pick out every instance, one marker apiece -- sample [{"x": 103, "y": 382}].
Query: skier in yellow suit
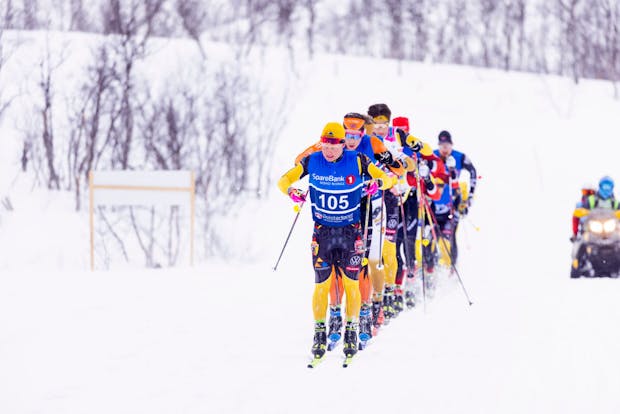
[{"x": 336, "y": 179}]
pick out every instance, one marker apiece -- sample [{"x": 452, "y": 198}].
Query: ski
[
  {"x": 347, "y": 360},
  {"x": 316, "y": 361}
]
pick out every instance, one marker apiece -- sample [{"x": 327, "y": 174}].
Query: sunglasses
[
  {"x": 331, "y": 140},
  {"x": 353, "y": 134}
]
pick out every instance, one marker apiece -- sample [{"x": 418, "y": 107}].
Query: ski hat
[
  {"x": 401, "y": 122},
  {"x": 333, "y": 133},
  {"x": 445, "y": 137},
  {"x": 380, "y": 112},
  {"x": 606, "y": 187}
]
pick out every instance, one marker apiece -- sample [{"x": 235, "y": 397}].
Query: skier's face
[
  {"x": 331, "y": 152},
  {"x": 381, "y": 128},
  {"x": 445, "y": 149},
  {"x": 352, "y": 139}
]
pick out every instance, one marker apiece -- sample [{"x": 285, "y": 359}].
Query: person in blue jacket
[{"x": 450, "y": 207}]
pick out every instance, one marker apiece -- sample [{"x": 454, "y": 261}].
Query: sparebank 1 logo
[{"x": 350, "y": 179}]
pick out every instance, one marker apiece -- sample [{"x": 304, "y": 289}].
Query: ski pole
[
  {"x": 471, "y": 223},
  {"x": 442, "y": 239},
  {"x": 298, "y": 210},
  {"x": 367, "y": 217},
  {"x": 419, "y": 257},
  {"x": 380, "y": 264},
  {"x": 406, "y": 238}
]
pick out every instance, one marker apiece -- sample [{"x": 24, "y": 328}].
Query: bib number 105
[{"x": 333, "y": 202}]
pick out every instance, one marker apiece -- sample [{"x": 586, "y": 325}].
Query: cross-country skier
[
  {"x": 371, "y": 146},
  {"x": 375, "y": 149},
  {"x": 406, "y": 193},
  {"x": 336, "y": 181},
  {"x": 451, "y": 206},
  {"x": 383, "y": 271}
]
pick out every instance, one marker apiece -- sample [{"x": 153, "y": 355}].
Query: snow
[{"x": 234, "y": 337}]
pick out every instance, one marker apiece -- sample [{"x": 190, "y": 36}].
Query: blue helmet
[{"x": 606, "y": 187}]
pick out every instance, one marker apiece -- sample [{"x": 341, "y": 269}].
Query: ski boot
[
  {"x": 388, "y": 303},
  {"x": 377, "y": 316},
  {"x": 350, "y": 339},
  {"x": 409, "y": 299},
  {"x": 335, "y": 326},
  {"x": 320, "y": 340},
  {"x": 365, "y": 325},
  {"x": 431, "y": 284},
  {"x": 399, "y": 304}
]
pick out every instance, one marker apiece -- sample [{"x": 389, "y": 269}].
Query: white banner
[{"x": 146, "y": 188}]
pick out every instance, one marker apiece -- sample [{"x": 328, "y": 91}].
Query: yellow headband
[{"x": 381, "y": 119}]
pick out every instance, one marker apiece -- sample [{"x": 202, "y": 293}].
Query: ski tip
[{"x": 315, "y": 361}]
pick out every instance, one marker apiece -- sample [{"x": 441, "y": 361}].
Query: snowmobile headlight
[
  {"x": 610, "y": 226},
  {"x": 596, "y": 226}
]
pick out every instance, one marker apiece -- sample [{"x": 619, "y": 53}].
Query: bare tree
[
  {"x": 133, "y": 24},
  {"x": 94, "y": 102},
  {"x": 79, "y": 19},
  {"x": 193, "y": 18},
  {"x": 47, "y": 68},
  {"x": 310, "y": 31},
  {"x": 29, "y": 12},
  {"x": 395, "y": 11},
  {"x": 419, "y": 46}
]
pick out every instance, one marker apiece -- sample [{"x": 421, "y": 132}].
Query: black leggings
[{"x": 335, "y": 246}]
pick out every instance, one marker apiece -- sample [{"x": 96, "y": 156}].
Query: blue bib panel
[
  {"x": 335, "y": 189},
  {"x": 445, "y": 202},
  {"x": 365, "y": 147}
]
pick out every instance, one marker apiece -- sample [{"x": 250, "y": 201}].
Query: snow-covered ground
[{"x": 235, "y": 337}]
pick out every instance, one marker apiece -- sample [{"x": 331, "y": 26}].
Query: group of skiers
[{"x": 386, "y": 208}]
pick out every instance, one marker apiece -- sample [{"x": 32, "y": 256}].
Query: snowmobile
[{"x": 596, "y": 251}]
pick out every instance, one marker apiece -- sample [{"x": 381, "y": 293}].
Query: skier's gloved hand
[
  {"x": 296, "y": 195},
  {"x": 384, "y": 157},
  {"x": 450, "y": 162},
  {"x": 424, "y": 171},
  {"x": 387, "y": 183},
  {"x": 402, "y": 135},
  {"x": 464, "y": 208},
  {"x": 415, "y": 144},
  {"x": 372, "y": 188},
  {"x": 359, "y": 247}
]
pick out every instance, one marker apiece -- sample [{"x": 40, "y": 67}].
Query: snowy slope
[{"x": 234, "y": 337}]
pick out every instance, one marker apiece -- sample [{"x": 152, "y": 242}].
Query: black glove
[
  {"x": 429, "y": 183},
  {"x": 402, "y": 135},
  {"x": 415, "y": 145},
  {"x": 385, "y": 158}
]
